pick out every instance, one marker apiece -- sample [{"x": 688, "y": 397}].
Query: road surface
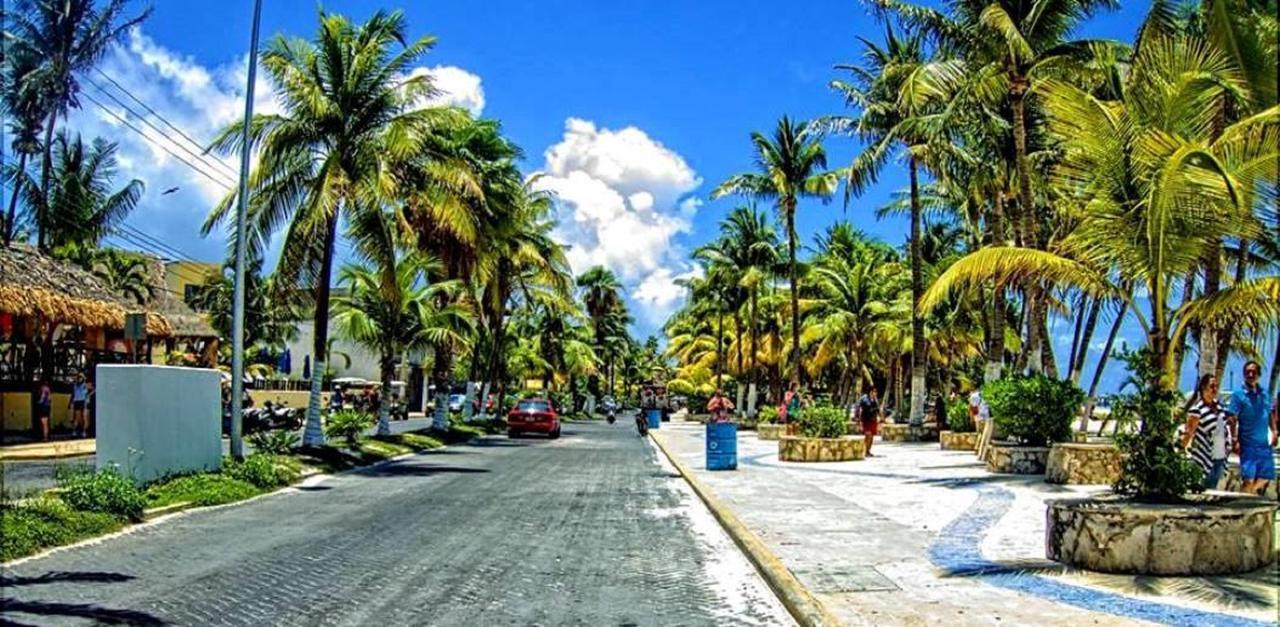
[{"x": 590, "y": 529}]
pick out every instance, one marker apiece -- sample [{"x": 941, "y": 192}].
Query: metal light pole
[{"x": 237, "y": 312}]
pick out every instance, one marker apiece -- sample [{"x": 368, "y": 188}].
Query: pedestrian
[
  {"x": 78, "y": 405},
  {"x": 869, "y": 415},
  {"x": 1207, "y": 438},
  {"x": 719, "y": 406},
  {"x": 980, "y": 414},
  {"x": 336, "y": 400},
  {"x": 790, "y": 403},
  {"x": 1256, "y": 424},
  {"x": 44, "y": 408}
]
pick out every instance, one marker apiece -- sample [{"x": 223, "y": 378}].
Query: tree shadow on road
[
  {"x": 99, "y": 615},
  {"x": 61, "y": 576},
  {"x": 417, "y": 470}
]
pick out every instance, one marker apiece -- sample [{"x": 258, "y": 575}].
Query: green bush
[
  {"x": 768, "y": 414},
  {"x": 201, "y": 490},
  {"x": 1035, "y": 410},
  {"x": 822, "y": 422},
  {"x": 958, "y": 419},
  {"x": 105, "y": 491},
  {"x": 274, "y": 442},
  {"x": 348, "y": 425},
  {"x": 47, "y": 522},
  {"x": 1154, "y": 467},
  {"x": 266, "y": 472}
]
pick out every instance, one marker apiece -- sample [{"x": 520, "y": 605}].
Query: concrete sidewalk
[
  {"x": 917, "y": 536},
  {"x": 56, "y": 449}
]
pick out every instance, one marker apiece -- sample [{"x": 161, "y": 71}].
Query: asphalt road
[{"x": 590, "y": 529}]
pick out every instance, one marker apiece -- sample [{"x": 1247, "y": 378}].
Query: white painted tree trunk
[
  {"x": 313, "y": 434},
  {"x": 441, "y": 421}
]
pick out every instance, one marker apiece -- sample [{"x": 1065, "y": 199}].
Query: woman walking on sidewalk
[
  {"x": 44, "y": 408},
  {"x": 1207, "y": 437}
]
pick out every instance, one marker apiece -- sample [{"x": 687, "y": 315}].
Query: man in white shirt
[{"x": 980, "y": 413}]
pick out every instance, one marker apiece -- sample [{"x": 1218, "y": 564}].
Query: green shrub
[
  {"x": 1154, "y": 467},
  {"x": 266, "y": 472},
  {"x": 201, "y": 490},
  {"x": 47, "y": 522},
  {"x": 105, "y": 491},
  {"x": 822, "y": 422},
  {"x": 958, "y": 419},
  {"x": 274, "y": 442},
  {"x": 348, "y": 425},
  {"x": 768, "y": 414},
  {"x": 1035, "y": 410}
]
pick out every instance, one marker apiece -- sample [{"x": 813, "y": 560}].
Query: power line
[
  {"x": 166, "y": 122},
  {"x": 139, "y": 131}
]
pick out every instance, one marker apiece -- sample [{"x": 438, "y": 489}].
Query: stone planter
[
  {"x": 1007, "y": 458},
  {"x": 958, "y": 441},
  {"x": 855, "y": 427},
  {"x": 894, "y": 432},
  {"x": 1210, "y": 535},
  {"x": 793, "y": 448},
  {"x": 1080, "y": 437},
  {"x": 1083, "y": 464},
  {"x": 770, "y": 431}
]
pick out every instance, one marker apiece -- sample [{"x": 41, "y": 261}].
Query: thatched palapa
[{"x": 34, "y": 284}]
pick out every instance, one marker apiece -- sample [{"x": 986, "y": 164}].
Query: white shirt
[{"x": 975, "y": 400}]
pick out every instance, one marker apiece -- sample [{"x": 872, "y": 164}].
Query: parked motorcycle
[
  {"x": 642, "y": 424},
  {"x": 611, "y": 415}
]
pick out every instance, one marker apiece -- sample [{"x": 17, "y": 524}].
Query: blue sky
[{"x": 634, "y": 110}]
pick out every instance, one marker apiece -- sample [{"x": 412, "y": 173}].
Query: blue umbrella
[
  {"x": 285, "y": 364},
  {"x": 306, "y": 367}
]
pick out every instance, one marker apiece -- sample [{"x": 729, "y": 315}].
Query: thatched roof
[{"x": 34, "y": 284}]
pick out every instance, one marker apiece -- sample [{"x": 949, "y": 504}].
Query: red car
[{"x": 533, "y": 415}]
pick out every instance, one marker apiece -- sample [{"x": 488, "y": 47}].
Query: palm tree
[
  {"x": 77, "y": 205},
  {"x": 791, "y": 165},
  {"x": 389, "y": 307},
  {"x": 125, "y": 274},
  {"x": 899, "y": 94},
  {"x": 351, "y": 118},
  {"x": 22, "y": 102},
  {"x": 70, "y": 37}
]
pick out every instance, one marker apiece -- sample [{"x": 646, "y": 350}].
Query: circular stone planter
[
  {"x": 1083, "y": 464},
  {"x": 766, "y": 431},
  {"x": 958, "y": 440},
  {"x": 1008, "y": 458},
  {"x": 793, "y": 448},
  {"x": 1209, "y": 535}
]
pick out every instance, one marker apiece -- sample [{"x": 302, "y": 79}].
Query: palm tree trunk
[
  {"x": 755, "y": 335},
  {"x": 737, "y": 331},
  {"x": 995, "y": 330},
  {"x": 387, "y": 372},
  {"x": 1225, "y": 335},
  {"x": 1035, "y": 309},
  {"x": 313, "y": 435},
  {"x": 1102, "y": 363},
  {"x": 46, "y": 170},
  {"x": 441, "y": 366},
  {"x": 917, "y": 290},
  {"x": 1207, "y": 340},
  {"x": 1082, "y": 310},
  {"x": 789, "y": 206},
  {"x": 719, "y": 347},
  {"x": 1275, "y": 366},
  {"x": 11, "y": 219},
  {"x": 1086, "y": 337}
]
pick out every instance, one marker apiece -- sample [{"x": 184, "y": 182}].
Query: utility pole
[{"x": 237, "y": 312}]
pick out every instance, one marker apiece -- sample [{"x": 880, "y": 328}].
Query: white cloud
[
  {"x": 457, "y": 86},
  {"x": 623, "y": 200}
]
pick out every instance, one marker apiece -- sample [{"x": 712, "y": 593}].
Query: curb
[
  {"x": 172, "y": 508},
  {"x": 803, "y": 606}
]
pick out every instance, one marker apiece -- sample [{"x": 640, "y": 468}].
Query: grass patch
[
  {"x": 47, "y": 522},
  {"x": 200, "y": 490}
]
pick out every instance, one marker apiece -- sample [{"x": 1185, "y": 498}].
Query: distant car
[
  {"x": 533, "y": 415},
  {"x": 456, "y": 401}
]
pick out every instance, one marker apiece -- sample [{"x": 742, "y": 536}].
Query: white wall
[
  {"x": 364, "y": 364},
  {"x": 158, "y": 420}
]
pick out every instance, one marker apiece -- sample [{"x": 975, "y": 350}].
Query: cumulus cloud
[
  {"x": 458, "y": 87},
  {"x": 623, "y": 200},
  {"x": 200, "y": 100}
]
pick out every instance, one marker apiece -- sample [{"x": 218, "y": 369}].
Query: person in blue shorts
[{"x": 1251, "y": 406}]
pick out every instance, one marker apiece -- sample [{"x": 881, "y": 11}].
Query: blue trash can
[
  {"x": 722, "y": 446},
  {"x": 654, "y": 416}
]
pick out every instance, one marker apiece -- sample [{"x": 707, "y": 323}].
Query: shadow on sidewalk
[
  {"x": 59, "y": 576},
  {"x": 100, "y": 615}
]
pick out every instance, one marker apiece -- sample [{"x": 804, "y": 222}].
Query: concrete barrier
[{"x": 155, "y": 421}]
